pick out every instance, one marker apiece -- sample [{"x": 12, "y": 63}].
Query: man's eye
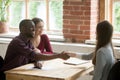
[{"x": 31, "y": 28}]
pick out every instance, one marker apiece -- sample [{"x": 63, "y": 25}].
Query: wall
[
  {"x": 59, "y": 47},
  {"x": 3, "y": 48},
  {"x": 79, "y": 19}
]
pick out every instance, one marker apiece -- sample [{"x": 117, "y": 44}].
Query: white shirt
[{"x": 104, "y": 62}]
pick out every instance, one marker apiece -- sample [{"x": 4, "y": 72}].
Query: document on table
[{"x": 75, "y": 61}]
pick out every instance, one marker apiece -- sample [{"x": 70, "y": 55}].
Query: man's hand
[
  {"x": 71, "y": 54},
  {"x": 38, "y": 65},
  {"x": 37, "y": 50},
  {"x": 64, "y": 56}
]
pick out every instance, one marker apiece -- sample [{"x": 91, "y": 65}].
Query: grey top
[
  {"x": 85, "y": 56},
  {"x": 104, "y": 62}
]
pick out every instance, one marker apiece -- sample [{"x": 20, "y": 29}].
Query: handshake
[
  {"x": 63, "y": 55},
  {"x": 66, "y": 55}
]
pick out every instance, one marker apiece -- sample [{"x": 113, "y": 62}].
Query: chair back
[
  {"x": 1, "y": 62},
  {"x": 114, "y": 73}
]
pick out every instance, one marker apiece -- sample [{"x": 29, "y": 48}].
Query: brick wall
[{"x": 79, "y": 20}]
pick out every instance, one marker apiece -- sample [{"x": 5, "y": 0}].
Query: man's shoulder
[{"x": 16, "y": 39}]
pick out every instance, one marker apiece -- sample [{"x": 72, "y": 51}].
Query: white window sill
[
  {"x": 116, "y": 42},
  {"x": 62, "y": 46},
  {"x": 11, "y": 35}
]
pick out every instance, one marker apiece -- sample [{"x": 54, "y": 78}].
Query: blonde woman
[{"x": 41, "y": 41}]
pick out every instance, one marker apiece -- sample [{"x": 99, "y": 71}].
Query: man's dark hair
[{"x": 24, "y": 23}]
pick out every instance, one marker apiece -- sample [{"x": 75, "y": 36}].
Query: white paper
[{"x": 75, "y": 61}]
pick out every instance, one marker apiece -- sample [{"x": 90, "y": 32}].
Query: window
[
  {"x": 51, "y": 11},
  {"x": 16, "y": 13},
  {"x": 116, "y": 16},
  {"x": 110, "y": 10}
]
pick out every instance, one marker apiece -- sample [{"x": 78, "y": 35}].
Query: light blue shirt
[{"x": 104, "y": 62}]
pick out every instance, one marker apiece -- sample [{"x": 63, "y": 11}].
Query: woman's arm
[
  {"x": 85, "y": 56},
  {"x": 47, "y": 45}
]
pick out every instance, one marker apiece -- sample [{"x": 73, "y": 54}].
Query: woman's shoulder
[
  {"x": 104, "y": 50},
  {"x": 44, "y": 35}
]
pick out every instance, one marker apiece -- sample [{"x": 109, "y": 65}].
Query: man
[{"x": 20, "y": 51}]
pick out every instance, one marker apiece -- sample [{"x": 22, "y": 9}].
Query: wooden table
[{"x": 52, "y": 70}]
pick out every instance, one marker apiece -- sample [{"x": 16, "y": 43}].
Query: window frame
[
  {"x": 47, "y": 30},
  {"x": 106, "y": 13}
]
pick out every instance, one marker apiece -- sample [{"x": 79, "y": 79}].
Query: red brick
[
  {"x": 87, "y": 13},
  {"x": 77, "y": 22},
  {"x": 81, "y": 36},
  {"x": 85, "y": 8},
  {"x": 76, "y": 7},
  {"x": 84, "y": 27},
  {"x": 87, "y": 32},
  {"x": 65, "y": 31},
  {"x": 66, "y": 21},
  {"x": 74, "y": 31},
  {"x": 66, "y": 2},
  {"x": 67, "y": 35},
  {"x": 87, "y": 3},
  {"x": 76, "y": 3},
  {"x": 76, "y": 12},
  {"x": 71, "y": 26},
  {"x": 87, "y": 22},
  {"x": 67, "y": 7},
  {"x": 79, "y": 19},
  {"x": 66, "y": 12},
  {"x": 86, "y": 18},
  {"x": 71, "y": 17}
]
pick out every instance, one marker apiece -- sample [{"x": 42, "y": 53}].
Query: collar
[{"x": 25, "y": 39}]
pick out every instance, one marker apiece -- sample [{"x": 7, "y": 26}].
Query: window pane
[
  {"x": 37, "y": 9},
  {"x": 17, "y": 13},
  {"x": 116, "y": 16},
  {"x": 56, "y": 14}
]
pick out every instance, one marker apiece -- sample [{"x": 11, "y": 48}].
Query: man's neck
[{"x": 25, "y": 37}]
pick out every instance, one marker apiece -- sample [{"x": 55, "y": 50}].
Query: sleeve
[
  {"x": 85, "y": 56},
  {"x": 100, "y": 64},
  {"x": 48, "y": 48},
  {"x": 79, "y": 55}
]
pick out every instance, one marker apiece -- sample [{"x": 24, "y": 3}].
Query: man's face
[{"x": 30, "y": 30}]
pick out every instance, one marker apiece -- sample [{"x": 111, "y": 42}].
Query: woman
[
  {"x": 103, "y": 58},
  {"x": 41, "y": 41}
]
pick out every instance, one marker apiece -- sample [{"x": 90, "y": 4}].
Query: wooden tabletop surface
[{"x": 54, "y": 69}]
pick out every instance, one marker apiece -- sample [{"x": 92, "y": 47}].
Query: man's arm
[
  {"x": 85, "y": 56},
  {"x": 39, "y": 56}
]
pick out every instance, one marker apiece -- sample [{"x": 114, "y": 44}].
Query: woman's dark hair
[
  {"x": 37, "y": 20},
  {"x": 104, "y": 33}
]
